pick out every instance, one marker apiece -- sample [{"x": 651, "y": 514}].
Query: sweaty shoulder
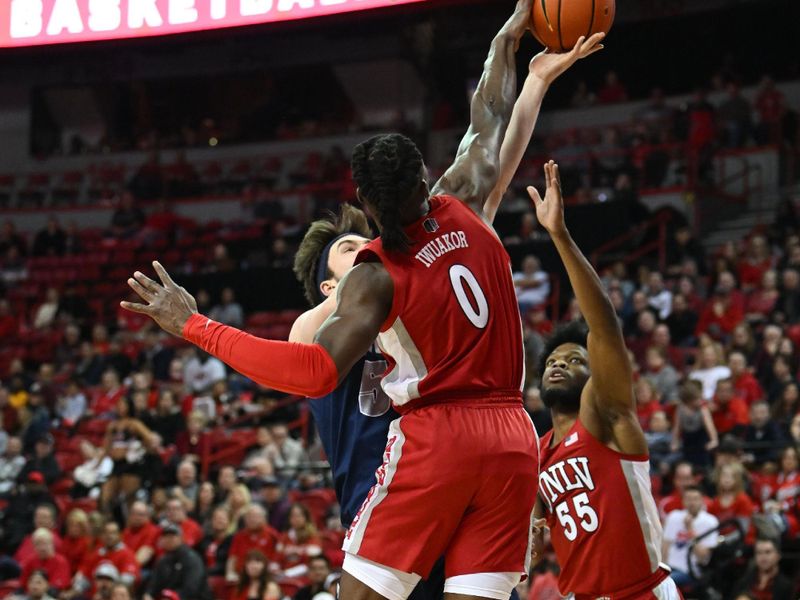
[{"x": 367, "y": 278}]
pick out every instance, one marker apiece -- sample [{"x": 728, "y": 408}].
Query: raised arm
[
  {"x": 365, "y": 297},
  {"x": 608, "y": 408},
  {"x": 474, "y": 172},
  {"x": 544, "y": 68}
]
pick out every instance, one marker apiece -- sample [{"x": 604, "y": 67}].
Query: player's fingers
[
  {"x": 576, "y": 49},
  {"x": 534, "y": 194},
  {"x": 143, "y": 292},
  {"x": 163, "y": 275},
  {"x": 146, "y": 282},
  {"x": 556, "y": 176},
  {"x": 136, "y": 307}
]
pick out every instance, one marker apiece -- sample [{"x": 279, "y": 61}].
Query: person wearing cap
[
  {"x": 11, "y": 464},
  {"x": 106, "y": 577},
  {"x": 43, "y": 461},
  {"x": 46, "y": 559},
  {"x": 180, "y": 570},
  {"x": 256, "y": 535},
  {"x": 112, "y": 551}
]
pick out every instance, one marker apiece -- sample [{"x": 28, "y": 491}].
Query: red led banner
[{"x": 39, "y": 22}]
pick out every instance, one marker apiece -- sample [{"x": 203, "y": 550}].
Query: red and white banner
[{"x": 38, "y": 22}]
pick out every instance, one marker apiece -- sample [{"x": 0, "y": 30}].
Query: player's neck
[
  {"x": 415, "y": 212},
  {"x": 562, "y": 423}
]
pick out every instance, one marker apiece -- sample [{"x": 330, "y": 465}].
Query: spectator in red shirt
[
  {"x": 744, "y": 381},
  {"x": 728, "y": 409},
  {"x": 46, "y": 559},
  {"x": 112, "y": 391},
  {"x": 9, "y": 326},
  {"x": 612, "y": 91},
  {"x": 647, "y": 402},
  {"x": 731, "y": 501},
  {"x": 111, "y": 551},
  {"x": 256, "y": 535},
  {"x": 176, "y": 513},
  {"x": 771, "y": 106},
  {"x": 300, "y": 542},
  {"x": 44, "y": 517},
  {"x": 761, "y": 302},
  {"x": 78, "y": 542},
  {"x": 723, "y": 311},
  {"x": 756, "y": 261},
  {"x": 141, "y": 534},
  {"x": 684, "y": 476}
]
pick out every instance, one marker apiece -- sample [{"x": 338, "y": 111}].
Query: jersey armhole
[
  {"x": 367, "y": 255},
  {"x": 621, "y": 455}
]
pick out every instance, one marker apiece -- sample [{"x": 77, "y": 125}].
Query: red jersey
[
  {"x": 57, "y": 568},
  {"x": 454, "y": 330},
  {"x": 603, "y": 521},
  {"x": 146, "y": 535},
  {"x": 265, "y": 540}
]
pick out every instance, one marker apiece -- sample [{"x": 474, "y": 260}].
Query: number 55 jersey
[
  {"x": 604, "y": 523},
  {"x": 454, "y": 329}
]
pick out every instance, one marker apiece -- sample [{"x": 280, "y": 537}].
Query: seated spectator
[
  {"x": 531, "y": 284},
  {"x": 659, "y": 444},
  {"x": 763, "y": 578},
  {"x": 50, "y": 241},
  {"x": 127, "y": 219},
  {"x": 693, "y": 431},
  {"x": 45, "y": 558},
  {"x": 38, "y": 587},
  {"x": 72, "y": 306},
  {"x": 273, "y": 497},
  {"x": 45, "y": 314},
  {"x": 786, "y": 406},
  {"x": 722, "y": 312},
  {"x": 319, "y": 568},
  {"x": 770, "y": 105},
  {"x": 255, "y": 581},
  {"x": 167, "y": 420},
  {"x": 179, "y": 569},
  {"x": 191, "y": 532},
  {"x": 236, "y": 503},
  {"x": 762, "y": 301},
  {"x": 735, "y": 118},
  {"x": 256, "y": 535},
  {"x": 684, "y": 475},
  {"x": 78, "y": 541},
  {"x": 647, "y": 401},
  {"x": 731, "y": 501},
  {"x": 658, "y": 296},
  {"x": 155, "y": 356},
  {"x": 682, "y": 321},
  {"x": 141, "y": 534},
  {"x": 661, "y": 375},
  {"x": 299, "y": 543},
  {"x": 612, "y": 91},
  {"x": 112, "y": 391},
  {"x": 193, "y": 442},
  {"x": 92, "y": 473},
  {"x": 265, "y": 447},
  {"x": 787, "y": 488},
  {"x": 762, "y": 436},
  {"x": 743, "y": 380},
  {"x": 10, "y": 238},
  {"x": 202, "y": 371},
  {"x": 113, "y": 552},
  {"x": 765, "y": 355},
  {"x": 228, "y": 311},
  {"x": 787, "y": 306},
  {"x": 127, "y": 442},
  {"x": 216, "y": 544},
  {"x": 710, "y": 369},
  {"x": 680, "y": 528},
  {"x": 187, "y": 487},
  {"x": 11, "y": 463},
  {"x": 205, "y": 504},
  {"x": 291, "y": 453},
  {"x": 90, "y": 365},
  {"x": 728, "y": 410},
  {"x": 9, "y": 324},
  {"x": 43, "y": 461},
  {"x": 71, "y": 405}
]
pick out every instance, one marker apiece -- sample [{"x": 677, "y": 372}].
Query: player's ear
[{"x": 327, "y": 287}]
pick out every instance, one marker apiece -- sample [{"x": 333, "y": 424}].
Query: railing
[{"x": 659, "y": 245}]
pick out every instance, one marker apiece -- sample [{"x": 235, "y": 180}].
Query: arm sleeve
[{"x": 305, "y": 369}]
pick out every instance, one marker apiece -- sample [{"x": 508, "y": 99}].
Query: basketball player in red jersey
[
  {"x": 436, "y": 291},
  {"x": 594, "y": 482}
]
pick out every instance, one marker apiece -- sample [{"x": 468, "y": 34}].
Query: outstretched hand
[
  {"x": 548, "y": 65},
  {"x": 550, "y": 211},
  {"x": 168, "y": 304}
]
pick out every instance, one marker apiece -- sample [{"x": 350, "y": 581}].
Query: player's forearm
[
  {"x": 595, "y": 304},
  {"x": 305, "y": 369},
  {"x": 518, "y": 135}
]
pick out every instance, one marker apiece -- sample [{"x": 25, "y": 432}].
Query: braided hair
[{"x": 387, "y": 170}]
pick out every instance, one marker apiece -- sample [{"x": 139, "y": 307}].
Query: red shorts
[{"x": 457, "y": 480}]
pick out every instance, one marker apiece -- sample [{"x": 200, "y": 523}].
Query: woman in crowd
[
  {"x": 255, "y": 581},
  {"x": 731, "y": 501},
  {"x": 300, "y": 542},
  {"x": 78, "y": 541}
]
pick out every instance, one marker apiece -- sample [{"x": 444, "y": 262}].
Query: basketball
[{"x": 558, "y": 24}]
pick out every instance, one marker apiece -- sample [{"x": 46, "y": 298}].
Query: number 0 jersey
[
  {"x": 454, "y": 331},
  {"x": 604, "y": 523}
]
